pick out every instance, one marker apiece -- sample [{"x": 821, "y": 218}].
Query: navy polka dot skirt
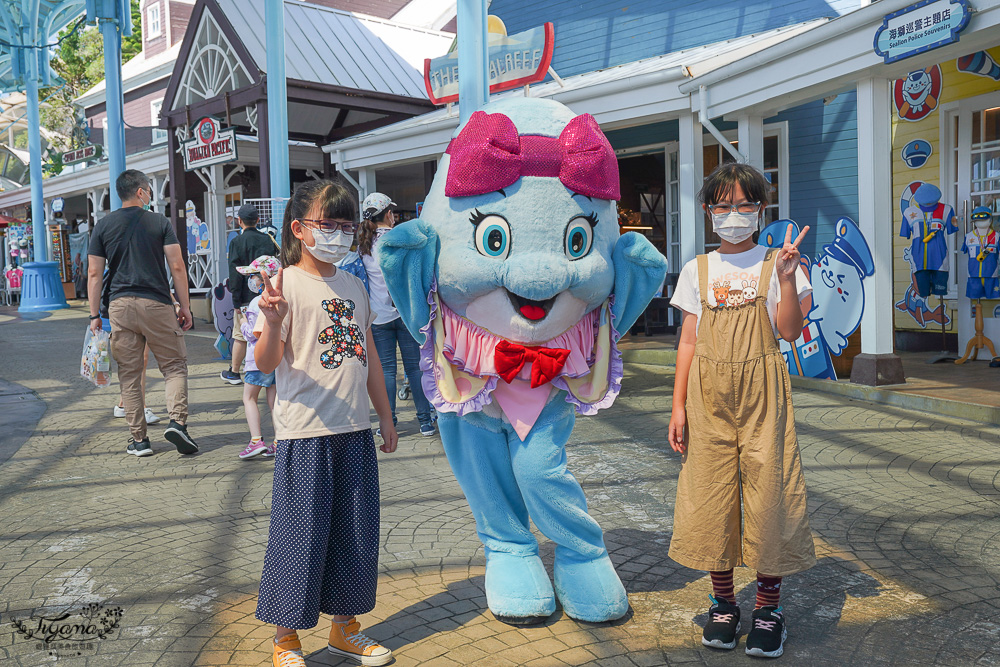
[{"x": 322, "y": 547}]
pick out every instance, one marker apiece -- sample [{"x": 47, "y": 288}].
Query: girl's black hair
[
  {"x": 366, "y": 232},
  {"x": 335, "y": 201},
  {"x": 722, "y": 179}
]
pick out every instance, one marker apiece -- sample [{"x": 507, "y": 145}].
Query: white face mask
[
  {"x": 329, "y": 247},
  {"x": 735, "y": 227},
  {"x": 982, "y": 226}
]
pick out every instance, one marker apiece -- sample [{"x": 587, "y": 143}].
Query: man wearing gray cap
[{"x": 244, "y": 249}]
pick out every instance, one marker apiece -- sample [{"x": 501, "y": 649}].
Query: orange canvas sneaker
[
  {"x": 347, "y": 641},
  {"x": 288, "y": 652}
]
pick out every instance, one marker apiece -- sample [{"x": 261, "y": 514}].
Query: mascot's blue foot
[
  {"x": 518, "y": 590},
  {"x": 590, "y": 590}
]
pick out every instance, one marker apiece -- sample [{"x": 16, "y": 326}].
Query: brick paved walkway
[{"x": 904, "y": 510}]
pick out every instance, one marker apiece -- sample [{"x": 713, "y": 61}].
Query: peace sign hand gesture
[
  {"x": 788, "y": 256},
  {"x": 273, "y": 305}
]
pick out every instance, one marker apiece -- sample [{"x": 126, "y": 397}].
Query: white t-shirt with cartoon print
[
  {"x": 322, "y": 376},
  {"x": 735, "y": 277}
]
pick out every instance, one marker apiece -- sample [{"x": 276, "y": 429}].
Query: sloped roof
[{"x": 333, "y": 47}]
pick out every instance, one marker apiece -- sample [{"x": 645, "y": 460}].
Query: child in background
[
  {"x": 732, "y": 394},
  {"x": 323, "y": 544},
  {"x": 253, "y": 378}
]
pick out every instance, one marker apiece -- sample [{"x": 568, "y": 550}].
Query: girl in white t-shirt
[
  {"x": 377, "y": 217},
  {"x": 740, "y": 494},
  {"x": 315, "y": 333}
]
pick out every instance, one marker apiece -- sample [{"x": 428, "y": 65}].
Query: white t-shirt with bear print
[{"x": 737, "y": 276}]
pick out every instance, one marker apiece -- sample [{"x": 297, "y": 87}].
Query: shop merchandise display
[
  {"x": 926, "y": 222},
  {"x": 981, "y": 245}
]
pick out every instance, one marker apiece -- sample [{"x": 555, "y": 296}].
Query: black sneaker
[
  {"x": 767, "y": 633},
  {"x": 139, "y": 447},
  {"x": 177, "y": 435},
  {"x": 231, "y": 377},
  {"x": 723, "y": 625}
]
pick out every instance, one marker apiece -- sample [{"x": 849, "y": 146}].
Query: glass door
[{"x": 973, "y": 175}]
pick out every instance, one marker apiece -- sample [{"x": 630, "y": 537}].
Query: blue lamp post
[
  {"x": 277, "y": 99},
  {"x": 26, "y": 30},
  {"x": 114, "y": 17},
  {"x": 473, "y": 51}
]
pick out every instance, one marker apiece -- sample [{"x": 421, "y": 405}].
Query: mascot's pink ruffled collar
[{"x": 460, "y": 375}]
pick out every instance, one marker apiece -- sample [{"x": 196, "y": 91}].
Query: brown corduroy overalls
[{"x": 741, "y": 441}]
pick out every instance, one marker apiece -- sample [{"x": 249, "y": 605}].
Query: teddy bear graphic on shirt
[{"x": 345, "y": 336}]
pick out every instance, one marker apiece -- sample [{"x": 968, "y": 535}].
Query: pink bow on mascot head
[{"x": 488, "y": 155}]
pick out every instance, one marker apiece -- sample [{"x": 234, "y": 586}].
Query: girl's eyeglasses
[
  {"x": 742, "y": 207},
  {"x": 330, "y": 225}
]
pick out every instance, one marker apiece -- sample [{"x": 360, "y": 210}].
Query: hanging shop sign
[
  {"x": 210, "y": 143},
  {"x": 921, "y": 27},
  {"x": 85, "y": 154},
  {"x": 58, "y": 204},
  {"x": 514, "y": 61}
]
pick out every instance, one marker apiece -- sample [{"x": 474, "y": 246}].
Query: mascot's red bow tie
[{"x": 546, "y": 362}]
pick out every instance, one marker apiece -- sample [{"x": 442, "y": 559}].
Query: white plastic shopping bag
[{"x": 96, "y": 362}]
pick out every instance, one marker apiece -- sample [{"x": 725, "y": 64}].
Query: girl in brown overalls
[{"x": 733, "y": 397}]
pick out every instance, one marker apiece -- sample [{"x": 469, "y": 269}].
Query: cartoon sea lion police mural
[{"x": 516, "y": 282}]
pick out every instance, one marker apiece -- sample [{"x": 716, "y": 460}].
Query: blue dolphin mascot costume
[{"x": 515, "y": 281}]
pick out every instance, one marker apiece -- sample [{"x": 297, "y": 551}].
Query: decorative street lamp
[{"x": 27, "y": 29}]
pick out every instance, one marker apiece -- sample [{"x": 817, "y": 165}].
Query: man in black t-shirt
[
  {"x": 137, "y": 244},
  {"x": 245, "y": 248}
]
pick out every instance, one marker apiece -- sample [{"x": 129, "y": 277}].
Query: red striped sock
[
  {"x": 722, "y": 586},
  {"x": 768, "y": 591}
]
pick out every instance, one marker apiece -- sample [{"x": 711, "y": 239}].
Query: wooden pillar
[
  {"x": 178, "y": 189},
  {"x": 328, "y": 170},
  {"x": 750, "y": 134},
  {"x": 691, "y": 178},
  {"x": 877, "y": 364},
  {"x": 430, "y": 168}
]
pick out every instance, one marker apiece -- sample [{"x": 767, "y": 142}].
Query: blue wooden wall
[
  {"x": 822, "y": 165},
  {"x": 594, "y": 34},
  {"x": 822, "y": 161}
]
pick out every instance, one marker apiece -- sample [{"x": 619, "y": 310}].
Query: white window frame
[
  {"x": 959, "y": 184},
  {"x": 154, "y": 20},
  {"x": 159, "y": 134}
]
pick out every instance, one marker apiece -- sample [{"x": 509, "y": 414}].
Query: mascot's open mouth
[{"x": 531, "y": 310}]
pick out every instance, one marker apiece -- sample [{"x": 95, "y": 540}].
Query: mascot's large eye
[
  {"x": 492, "y": 236},
  {"x": 579, "y": 237}
]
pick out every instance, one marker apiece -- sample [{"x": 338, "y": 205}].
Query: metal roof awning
[
  {"x": 346, "y": 73},
  {"x": 636, "y": 93}
]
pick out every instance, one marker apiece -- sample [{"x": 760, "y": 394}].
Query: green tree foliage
[{"x": 79, "y": 61}]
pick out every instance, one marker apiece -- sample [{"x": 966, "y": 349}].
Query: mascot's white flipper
[{"x": 516, "y": 282}]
